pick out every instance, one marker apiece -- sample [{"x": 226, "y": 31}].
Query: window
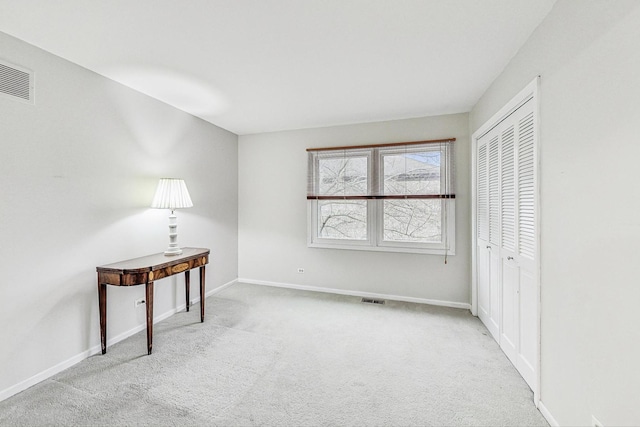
[{"x": 391, "y": 197}]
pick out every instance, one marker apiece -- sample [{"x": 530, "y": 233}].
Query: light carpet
[{"x": 280, "y": 357}]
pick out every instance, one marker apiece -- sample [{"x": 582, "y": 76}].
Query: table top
[{"x": 152, "y": 262}]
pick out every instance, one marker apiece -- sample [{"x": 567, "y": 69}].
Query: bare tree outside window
[
  {"x": 412, "y": 220},
  {"x": 343, "y": 219},
  {"x": 408, "y": 173},
  {"x": 343, "y": 176}
]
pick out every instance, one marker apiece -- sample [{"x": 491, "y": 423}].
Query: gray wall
[
  {"x": 588, "y": 56},
  {"x": 273, "y": 216},
  {"x": 77, "y": 175}
]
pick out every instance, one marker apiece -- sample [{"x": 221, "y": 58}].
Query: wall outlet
[
  {"x": 595, "y": 422},
  {"x": 301, "y": 270},
  {"x": 138, "y": 302}
]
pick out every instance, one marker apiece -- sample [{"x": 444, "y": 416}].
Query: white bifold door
[{"x": 507, "y": 297}]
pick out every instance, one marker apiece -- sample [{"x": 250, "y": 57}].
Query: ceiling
[{"x": 253, "y": 66}]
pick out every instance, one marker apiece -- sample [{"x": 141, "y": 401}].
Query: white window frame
[
  {"x": 316, "y": 241},
  {"x": 375, "y": 231},
  {"x": 375, "y": 242}
]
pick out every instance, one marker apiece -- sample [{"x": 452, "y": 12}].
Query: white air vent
[
  {"x": 372, "y": 301},
  {"x": 16, "y": 82}
]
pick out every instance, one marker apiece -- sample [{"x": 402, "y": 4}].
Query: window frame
[
  {"x": 375, "y": 207},
  {"x": 315, "y": 241},
  {"x": 445, "y": 231}
]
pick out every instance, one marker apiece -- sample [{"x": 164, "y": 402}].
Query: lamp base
[
  {"x": 172, "y": 251},
  {"x": 173, "y": 248}
]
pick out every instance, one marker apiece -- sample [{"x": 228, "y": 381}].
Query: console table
[{"x": 144, "y": 271}]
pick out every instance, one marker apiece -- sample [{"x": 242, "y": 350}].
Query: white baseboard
[
  {"x": 160, "y": 318},
  {"x": 547, "y": 415},
  {"x": 206, "y": 295},
  {"x": 452, "y": 304},
  {"x": 48, "y": 373}
]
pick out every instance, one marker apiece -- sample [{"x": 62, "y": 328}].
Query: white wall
[
  {"x": 273, "y": 216},
  {"x": 588, "y": 56},
  {"x": 78, "y": 171}
]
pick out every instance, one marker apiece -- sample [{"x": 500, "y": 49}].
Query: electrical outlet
[
  {"x": 595, "y": 422},
  {"x": 301, "y": 270},
  {"x": 138, "y": 302}
]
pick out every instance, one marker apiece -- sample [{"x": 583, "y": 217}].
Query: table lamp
[{"x": 172, "y": 194}]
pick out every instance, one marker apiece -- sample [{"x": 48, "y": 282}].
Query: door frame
[{"x": 530, "y": 92}]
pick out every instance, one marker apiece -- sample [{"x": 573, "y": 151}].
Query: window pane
[
  {"x": 342, "y": 219},
  {"x": 417, "y": 220},
  {"x": 412, "y": 172},
  {"x": 343, "y": 176}
]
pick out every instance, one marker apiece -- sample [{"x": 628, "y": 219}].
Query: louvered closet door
[
  {"x": 482, "y": 230},
  {"x": 526, "y": 245},
  {"x": 506, "y": 237},
  {"x": 510, "y": 293},
  {"x": 488, "y": 232},
  {"x": 518, "y": 336}
]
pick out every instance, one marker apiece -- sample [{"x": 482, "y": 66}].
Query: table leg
[
  {"x": 187, "y": 286},
  {"x": 102, "y": 304},
  {"x": 149, "y": 296},
  {"x": 202, "y": 271}
]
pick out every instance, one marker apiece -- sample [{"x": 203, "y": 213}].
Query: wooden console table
[{"x": 144, "y": 271}]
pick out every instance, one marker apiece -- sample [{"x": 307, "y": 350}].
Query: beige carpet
[{"x": 278, "y": 357}]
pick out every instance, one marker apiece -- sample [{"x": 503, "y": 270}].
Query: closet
[{"x": 507, "y": 296}]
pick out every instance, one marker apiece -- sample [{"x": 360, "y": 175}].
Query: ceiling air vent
[{"x": 16, "y": 82}]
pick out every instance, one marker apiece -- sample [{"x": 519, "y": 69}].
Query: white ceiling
[{"x": 264, "y": 65}]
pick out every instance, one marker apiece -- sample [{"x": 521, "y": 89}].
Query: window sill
[{"x": 397, "y": 249}]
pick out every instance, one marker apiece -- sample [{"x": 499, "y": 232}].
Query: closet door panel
[
  {"x": 508, "y": 189},
  {"x": 484, "y": 289},
  {"x": 494, "y": 284},
  {"x": 482, "y": 195},
  {"x": 487, "y": 274},
  {"x": 526, "y": 187},
  {"x": 494, "y": 191},
  {"x": 509, "y": 336},
  {"x": 528, "y": 326}
]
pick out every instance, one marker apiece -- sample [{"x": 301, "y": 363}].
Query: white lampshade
[{"x": 171, "y": 194}]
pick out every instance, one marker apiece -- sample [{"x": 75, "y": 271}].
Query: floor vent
[
  {"x": 372, "y": 301},
  {"x": 16, "y": 82}
]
